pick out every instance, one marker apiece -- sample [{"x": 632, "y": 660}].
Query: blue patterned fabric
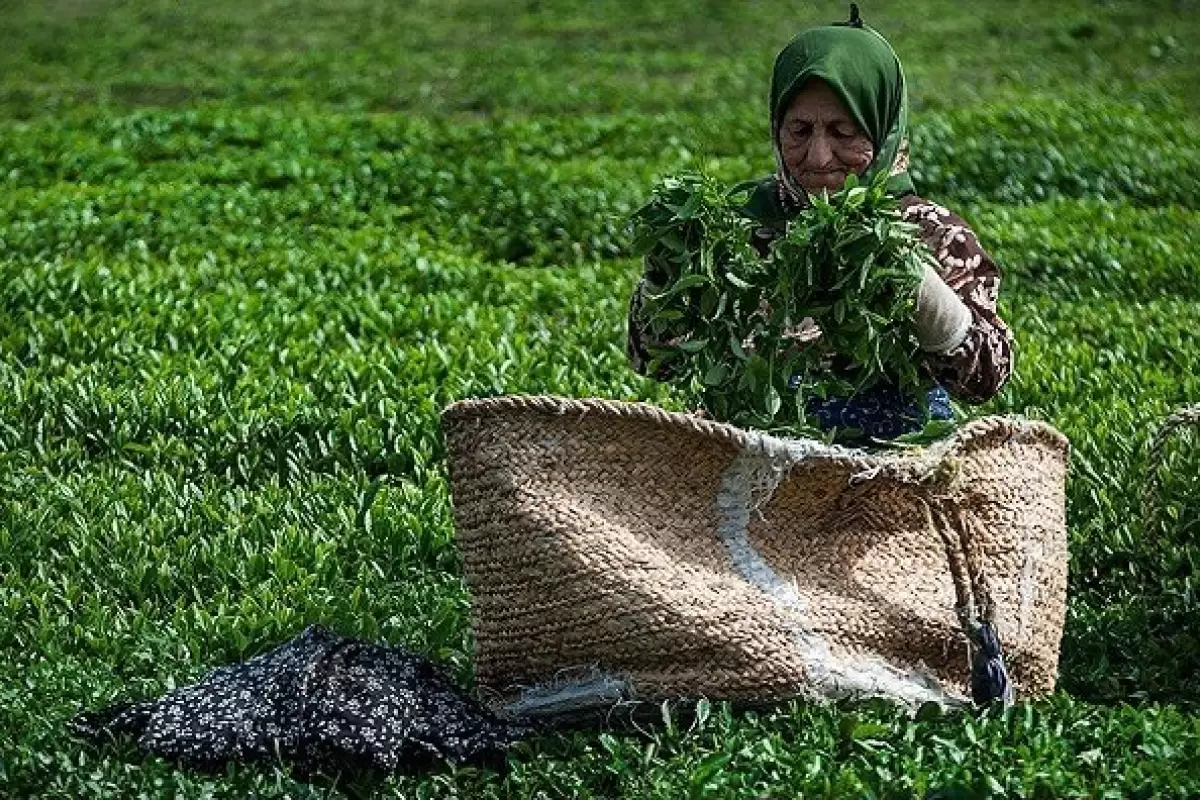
[{"x": 880, "y": 412}]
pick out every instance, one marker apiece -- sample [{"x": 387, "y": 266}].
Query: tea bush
[{"x": 237, "y": 287}]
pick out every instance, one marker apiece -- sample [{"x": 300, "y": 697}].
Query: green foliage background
[{"x": 248, "y": 251}]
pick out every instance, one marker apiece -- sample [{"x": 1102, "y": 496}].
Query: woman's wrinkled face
[{"x": 820, "y": 142}]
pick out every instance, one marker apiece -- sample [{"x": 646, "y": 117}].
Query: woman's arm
[
  {"x": 977, "y": 367},
  {"x": 638, "y": 340}
]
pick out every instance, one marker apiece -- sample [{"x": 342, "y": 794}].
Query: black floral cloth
[{"x": 321, "y": 702}]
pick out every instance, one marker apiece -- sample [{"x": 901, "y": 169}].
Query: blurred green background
[{"x": 556, "y": 56}]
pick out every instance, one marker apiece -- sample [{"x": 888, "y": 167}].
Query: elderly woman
[{"x": 839, "y": 105}]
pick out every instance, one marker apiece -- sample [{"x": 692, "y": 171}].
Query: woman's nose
[{"x": 820, "y": 151}]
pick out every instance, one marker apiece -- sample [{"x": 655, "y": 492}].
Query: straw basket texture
[{"x": 677, "y": 557}]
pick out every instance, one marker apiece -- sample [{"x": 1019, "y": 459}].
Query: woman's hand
[
  {"x": 943, "y": 319},
  {"x": 806, "y": 332}
]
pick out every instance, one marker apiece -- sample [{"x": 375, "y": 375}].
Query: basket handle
[
  {"x": 1187, "y": 415},
  {"x": 974, "y": 606}
]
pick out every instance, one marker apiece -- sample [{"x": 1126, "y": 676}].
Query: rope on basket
[
  {"x": 974, "y": 606},
  {"x": 1188, "y": 415}
]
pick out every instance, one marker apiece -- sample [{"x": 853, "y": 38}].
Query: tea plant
[
  {"x": 828, "y": 311},
  {"x": 246, "y": 258}
]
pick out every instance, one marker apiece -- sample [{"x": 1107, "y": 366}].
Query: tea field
[{"x": 249, "y": 250}]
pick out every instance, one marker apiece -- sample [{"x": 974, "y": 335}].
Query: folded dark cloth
[
  {"x": 881, "y": 412},
  {"x": 321, "y": 702}
]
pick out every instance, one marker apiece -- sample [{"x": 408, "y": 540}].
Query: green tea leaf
[{"x": 846, "y": 261}]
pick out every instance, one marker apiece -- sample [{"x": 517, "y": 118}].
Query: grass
[{"x": 249, "y": 251}]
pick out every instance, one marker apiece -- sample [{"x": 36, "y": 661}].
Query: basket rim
[{"x": 973, "y": 435}]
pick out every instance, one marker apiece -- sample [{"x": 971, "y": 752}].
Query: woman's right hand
[{"x": 804, "y": 333}]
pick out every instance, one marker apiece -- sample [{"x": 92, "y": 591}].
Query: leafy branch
[{"x": 828, "y": 312}]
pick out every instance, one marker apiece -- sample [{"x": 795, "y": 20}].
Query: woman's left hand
[{"x": 943, "y": 319}]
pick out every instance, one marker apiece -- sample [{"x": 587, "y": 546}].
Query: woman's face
[{"x": 820, "y": 142}]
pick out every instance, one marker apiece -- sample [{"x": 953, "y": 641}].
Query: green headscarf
[{"x": 864, "y": 71}]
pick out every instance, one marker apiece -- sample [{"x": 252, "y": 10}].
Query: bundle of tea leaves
[{"x": 829, "y": 311}]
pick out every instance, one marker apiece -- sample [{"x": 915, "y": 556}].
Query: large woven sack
[{"x": 619, "y": 550}]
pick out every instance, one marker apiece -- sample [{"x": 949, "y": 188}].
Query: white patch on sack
[
  {"x": 746, "y": 486},
  {"x": 1034, "y": 551},
  {"x": 571, "y": 692}
]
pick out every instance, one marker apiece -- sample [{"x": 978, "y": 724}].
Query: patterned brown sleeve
[
  {"x": 635, "y": 342},
  {"x": 640, "y": 338},
  {"x": 976, "y": 369}
]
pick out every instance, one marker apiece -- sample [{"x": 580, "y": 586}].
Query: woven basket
[{"x": 615, "y": 550}]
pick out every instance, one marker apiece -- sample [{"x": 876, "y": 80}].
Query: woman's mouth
[{"x": 823, "y": 180}]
